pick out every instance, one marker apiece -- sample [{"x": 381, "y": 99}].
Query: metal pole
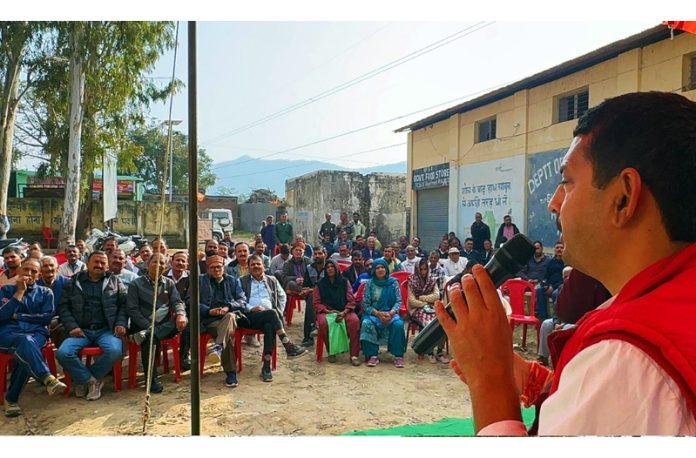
[
  {"x": 193, "y": 233},
  {"x": 171, "y": 163}
]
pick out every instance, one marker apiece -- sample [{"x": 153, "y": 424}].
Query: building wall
[
  {"x": 29, "y": 215},
  {"x": 379, "y": 198},
  {"x": 525, "y": 125},
  {"x": 251, "y": 215}
]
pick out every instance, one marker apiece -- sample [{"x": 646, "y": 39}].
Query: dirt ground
[{"x": 305, "y": 398}]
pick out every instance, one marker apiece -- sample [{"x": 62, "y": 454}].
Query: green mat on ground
[{"x": 447, "y": 427}]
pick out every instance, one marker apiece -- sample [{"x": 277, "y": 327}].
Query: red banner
[
  {"x": 122, "y": 186},
  {"x": 686, "y": 26}
]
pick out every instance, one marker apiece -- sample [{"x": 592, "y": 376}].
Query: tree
[
  {"x": 113, "y": 57},
  {"x": 149, "y": 164},
  {"x": 15, "y": 39}
]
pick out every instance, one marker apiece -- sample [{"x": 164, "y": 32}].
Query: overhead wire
[{"x": 372, "y": 73}]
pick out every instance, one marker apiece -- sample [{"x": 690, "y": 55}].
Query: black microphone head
[{"x": 515, "y": 253}]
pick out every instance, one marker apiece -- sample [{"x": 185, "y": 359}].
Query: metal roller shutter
[{"x": 433, "y": 216}]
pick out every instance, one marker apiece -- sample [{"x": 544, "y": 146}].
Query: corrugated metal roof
[{"x": 644, "y": 38}]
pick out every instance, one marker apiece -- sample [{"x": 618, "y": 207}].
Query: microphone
[{"x": 504, "y": 264}]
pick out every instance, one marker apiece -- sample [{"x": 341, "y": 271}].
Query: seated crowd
[{"x": 358, "y": 295}]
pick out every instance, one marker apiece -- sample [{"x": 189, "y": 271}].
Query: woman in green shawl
[
  {"x": 333, "y": 294},
  {"x": 381, "y": 302}
]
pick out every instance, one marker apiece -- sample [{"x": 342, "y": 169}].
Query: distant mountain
[{"x": 246, "y": 173}]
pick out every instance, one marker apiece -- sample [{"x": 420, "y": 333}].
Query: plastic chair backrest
[
  {"x": 403, "y": 286},
  {"x": 342, "y": 266},
  {"x": 360, "y": 292},
  {"x": 401, "y": 276},
  {"x": 515, "y": 289}
]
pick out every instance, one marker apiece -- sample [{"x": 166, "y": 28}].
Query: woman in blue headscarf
[{"x": 381, "y": 304}]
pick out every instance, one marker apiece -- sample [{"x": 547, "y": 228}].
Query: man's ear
[{"x": 626, "y": 187}]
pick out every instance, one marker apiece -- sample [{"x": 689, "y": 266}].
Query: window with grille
[
  {"x": 691, "y": 83},
  {"x": 486, "y": 130},
  {"x": 573, "y": 106}
]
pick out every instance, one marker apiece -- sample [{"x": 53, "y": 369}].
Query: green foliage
[
  {"x": 149, "y": 162},
  {"x": 116, "y": 56}
]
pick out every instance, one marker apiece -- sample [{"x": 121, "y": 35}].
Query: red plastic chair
[
  {"x": 238, "y": 334},
  {"x": 61, "y": 258},
  {"x": 89, "y": 353},
  {"x": 202, "y": 347},
  {"x": 7, "y": 361},
  {"x": 343, "y": 265},
  {"x": 401, "y": 276},
  {"x": 294, "y": 302},
  {"x": 515, "y": 289},
  {"x": 360, "y": 293},
  {"x": 165, "y": 345},
  {"x": 403, "y": 310},
  {"x": 48, "y": 236}
]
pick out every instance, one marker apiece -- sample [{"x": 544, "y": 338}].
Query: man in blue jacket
[{"x": 26, "y": 310}]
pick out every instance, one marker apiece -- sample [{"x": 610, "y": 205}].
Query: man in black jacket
[
  {"x": 479, "y": 232},
  {"x": 170, "y": 312},
  {"x": 93, "y": 311}
]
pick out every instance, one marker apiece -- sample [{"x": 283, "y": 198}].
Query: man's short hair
[
  {"x": 11, "y": 249},
  {"x": 356, "y": 213},
  {"x": 29, "y": 259},
  {"x": 319, "y": 248},
  {"x": 97, "y": 253},
  {"x": 241, "y": 243},
  {"x": 468, "y": 239},
  {"x": 254, "y": 257},
  {"x": 221, "y": 243},
  {"x": 284, "y": 249},
  {"x": 356, "y": 254},
  {"x": 157, "y": 255},
  {"x": 655, "y": 133},
  {"x": 50, "y": 259},
  {"x": 342, "y": 244},
  {"x": 180, "y": 253}
]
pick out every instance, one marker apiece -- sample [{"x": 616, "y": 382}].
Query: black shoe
[
  {"x": 231, "y": 380},
  {"x": 308, "y": 342},
  {"x": 185, "y": 364},
  {"x": 266, "y": 374},
  {"x": 293, "y": 351},
  {"x": 156, "y": 386}
]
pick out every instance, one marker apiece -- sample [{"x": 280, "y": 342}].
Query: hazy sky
[{"x": 248, "y": 71}]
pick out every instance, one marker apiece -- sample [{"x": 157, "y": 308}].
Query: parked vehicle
[
  {"x": 19, "y": 243},
  {"x": 130, "y": 244},
  {"x": 223, "y": 221}
]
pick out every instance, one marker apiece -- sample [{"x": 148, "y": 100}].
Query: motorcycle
[
  {"x": 129, "y": 244},
  {"x": 19, "y": 243}
]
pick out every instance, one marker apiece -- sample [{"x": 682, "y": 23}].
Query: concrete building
[
  {"x": 500, "y": 153},
  {"x": 380, "y": 198}
]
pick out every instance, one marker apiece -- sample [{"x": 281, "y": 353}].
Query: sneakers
[
  {"x": 252, "y": 340},
  {"x": 214, "y": 355},
  {"x": 53, "y": 385},
  {"x": 293, "y": 351},
  {"x": 12, "y": 409},
  {"x": 231, "y": 380},
  {"x": 80, "y": 391},
  {"x": 266, "y": 374},
  {"x": 94, "y": 388},
  {"x": 308, "y": 342},
  {"x": 373, "y": 361},
  {"x": 185, "y": 363},
  {"x": 399, "y": 362},
  {"x": 155, "y": 386}
]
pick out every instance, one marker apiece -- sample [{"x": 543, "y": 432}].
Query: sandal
[
  {"x": 355, "y": 361},
  {"x": 432, "y": 358},
  {"x": 444, "y": 358}
]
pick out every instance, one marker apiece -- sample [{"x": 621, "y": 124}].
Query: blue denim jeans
[
  {"x": 29, "y": 360},
  {"x": 67, "y": 355}
]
